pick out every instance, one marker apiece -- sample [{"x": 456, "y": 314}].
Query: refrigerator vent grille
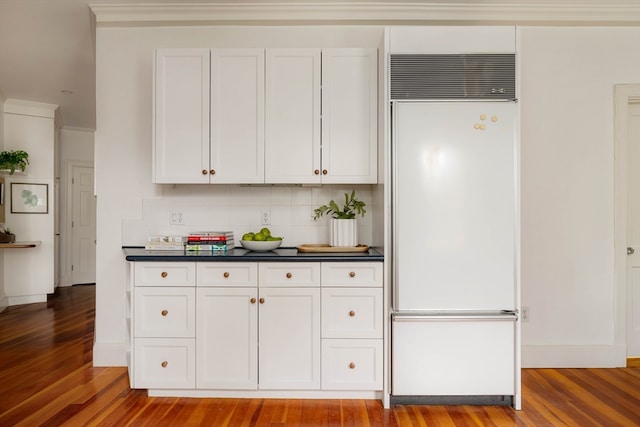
[{"x": 453, "y": 76}]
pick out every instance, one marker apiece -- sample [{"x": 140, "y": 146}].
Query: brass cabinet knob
[
  {"x": 317, "y": 172},
  {"x": 352, "y": 274},
  {"x": 253, "y": 300},
  {"x": 225, "y": 274},
  {"x": 204, "y": 172},
  {"x": 164, "y": 364},
  {"x": 164, "y": 274},
  {"x": 352, "y": 365},
  {"x": 324, "y": 171},
  {"x": 164, "y": 312},
  {"x": 261, "y": 300},
  {"x": 352, "y": 313},
  {"x": 289, "y": 275},
  {"x": 212, "y": 171}
]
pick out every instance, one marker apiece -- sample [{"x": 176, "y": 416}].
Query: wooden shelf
[{"x": 17, "y": 245}]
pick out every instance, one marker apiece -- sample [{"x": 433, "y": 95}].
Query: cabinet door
[
  {"x": 349, "y": 116},
  {"x": 237, "y": 116},
  {"x": 289, "y": 329},
  {"x": 292, "y": 146},
  {"x": 352, "y": 313},
  {"x": 227, "y": 349},
  {"x": 181, "y": 116},
  {"x": 164, "y": 363},
  {"x": 164, "y": 312}
]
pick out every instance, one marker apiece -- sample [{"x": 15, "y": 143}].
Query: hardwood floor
[{"x": 47, "y": 379}]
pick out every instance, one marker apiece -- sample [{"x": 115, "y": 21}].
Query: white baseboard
[
  {"x": 4, "y": 303},
  {"x": 109, "y": 354},
  {"x": 574, "y": 356},
  {"x": 26, "y": 299}
]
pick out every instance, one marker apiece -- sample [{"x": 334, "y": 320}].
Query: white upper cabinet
[
  {"x": 237, "y": 116},
  {"x": 287, "y": 116},
  {"x": 293, "y": 116},
  {"x": 181, "y": 116},
  {"x": 349, "y": 116}
]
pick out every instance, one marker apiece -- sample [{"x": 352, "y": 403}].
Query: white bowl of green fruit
[{"x": 261, "y": 241}]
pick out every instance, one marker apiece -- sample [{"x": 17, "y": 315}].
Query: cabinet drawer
[
  {"x": 352, "y": 364},
  {"x": 285, "y": 274},
  {"x": 164, "y": 312},
  {"x": 367, "y": 274},
  {"x": 165, "y": 274},
  {"x": 164, "y": 363},
  {"x": 352, "y": 313},
  {"x": 227, "y": 274}
]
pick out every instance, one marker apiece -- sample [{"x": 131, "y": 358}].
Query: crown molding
[
  {"x": 370, "y": 13},
  {"x": 29, "y": 108}
]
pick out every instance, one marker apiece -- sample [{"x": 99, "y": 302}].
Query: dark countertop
[{"x": 287, "y": 254}]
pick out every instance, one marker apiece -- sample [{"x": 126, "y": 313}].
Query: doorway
[
  {"x": 627, "y": 218},
  {"x": 83, "y": 225}
]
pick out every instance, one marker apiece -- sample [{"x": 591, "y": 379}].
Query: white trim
[
  {"x": 4, "y": 303},
  {"x": 574, "y": 356},
  {"x": 28, "y": 108},
  {"x": 256, "y": 394},
  {"x": 26, "y": 299},
  {"x": 623, "y": 95},
  {"x": 109, "y": 354},
  {"x": 389, "y": 13}
]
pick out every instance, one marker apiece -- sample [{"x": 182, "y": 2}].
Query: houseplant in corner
[
  {"x": 343, "y": 229},
  {"x": 12, "y": 160}
]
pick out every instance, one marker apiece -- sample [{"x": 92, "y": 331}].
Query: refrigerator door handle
[{"x": 507, "y": 317}]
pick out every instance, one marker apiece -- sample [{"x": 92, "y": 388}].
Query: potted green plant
[
  {"x": 6, "y": 236},
  {"x": 343, "y": 228},
  {"x": 12, "y": 160}
]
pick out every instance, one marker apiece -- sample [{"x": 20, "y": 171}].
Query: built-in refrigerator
[{"x": 455, "y": 248}]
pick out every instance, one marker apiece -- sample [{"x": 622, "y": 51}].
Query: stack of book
[
  {"x": 210, "y": 241},
  {"x": 165, "y": 243}
]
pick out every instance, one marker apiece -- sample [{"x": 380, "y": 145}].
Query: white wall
[
  {"x": 30, "y": 127},
  {"x": 567, "y": 83},
  {"x": 76, "y": 149},
  {"x": 130, "y": 207}
]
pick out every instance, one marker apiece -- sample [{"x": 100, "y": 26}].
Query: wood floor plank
[{"x": 47, "y": 379}]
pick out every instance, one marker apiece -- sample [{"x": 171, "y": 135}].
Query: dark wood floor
[{"x": 47, "y": 379}]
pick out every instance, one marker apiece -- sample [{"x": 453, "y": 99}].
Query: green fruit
[
  {"x": 259, "y": 237},
  {"x": 248, "y": 236},
  {"x": 266, "y": 231}
]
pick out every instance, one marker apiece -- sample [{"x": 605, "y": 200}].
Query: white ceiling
[{"x": 47, "y": 46}]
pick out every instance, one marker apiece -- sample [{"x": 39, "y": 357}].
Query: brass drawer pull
[
  {"x": 164, "y": 312},
  {"x": 253, "y": 300},
  {"x": 261, "y": 300},
  {"x": 352, "y": 365},
  {"x": 352, "y": 274},
  {"x": 212, "y": 171},
  {"x": 317, "y": 172},
  {"x": 164, "y": 274},
  {"x": 225, "y": 274},
  {"x": 204, "y": 172},
  {"x": 289, "y": 275},
  {"x": 164, "y": 364},
  {"x": 352, "y": 313},
  {"x": 324, "y": 172}
]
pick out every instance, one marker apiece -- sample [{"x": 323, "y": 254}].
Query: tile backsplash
[{"x": 239, "y": 208}]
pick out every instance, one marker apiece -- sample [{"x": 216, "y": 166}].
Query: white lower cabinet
[
  {"x": 227, "y": 337},
  {"x": 257, "y": 327},
  {"x": 289, "y": 335}
]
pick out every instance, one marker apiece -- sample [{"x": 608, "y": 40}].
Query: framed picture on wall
[{"x": 29, "y": 198}]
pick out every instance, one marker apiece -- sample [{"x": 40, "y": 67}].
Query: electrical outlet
[
  {"x": 265, "y": 217},
  {"x": 177, "y": 218},
  {"x": 524, "y": 313}
]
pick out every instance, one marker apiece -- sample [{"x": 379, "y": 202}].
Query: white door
[
  {"x": 349, "y": 116},
  {"x": 633, "y": 230},
  {"x": 292, "y": 146},
  {"x": 83, "y": 226},
  {"x": 227, "y": 338},
  {"x": 289, "y": 334},
  {"x": 237, "y": 116},
  {"x": 181, "y": 116}
]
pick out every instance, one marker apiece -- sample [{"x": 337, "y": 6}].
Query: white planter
[{"x": 343, "y": 232}]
